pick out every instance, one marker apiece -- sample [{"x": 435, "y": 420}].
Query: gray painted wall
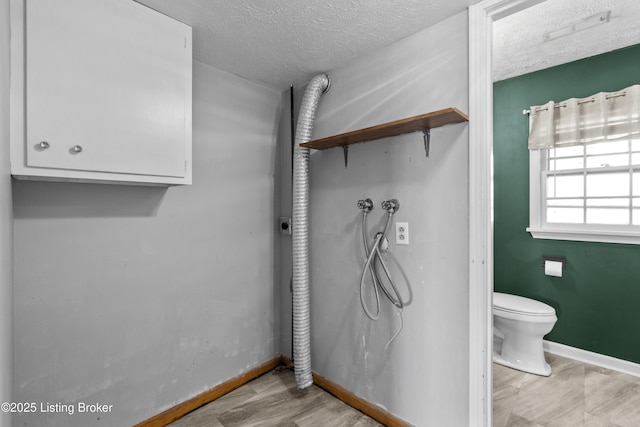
[
  {"x": 423, "y": 375},
  {"x": 144, "y": 297},
  {"x": 6, "y": 222}
]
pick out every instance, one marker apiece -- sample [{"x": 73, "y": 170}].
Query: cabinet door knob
[
  {"x": 77, "y": 149},
  {"x": 43, "y": 145}
]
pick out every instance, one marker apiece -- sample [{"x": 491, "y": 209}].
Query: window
[{"x": 586, "y": 191}]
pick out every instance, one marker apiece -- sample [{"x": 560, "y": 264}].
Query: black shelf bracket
[
  {"x": 426, "y": 135},
  {"x": 345, "y": 151}
]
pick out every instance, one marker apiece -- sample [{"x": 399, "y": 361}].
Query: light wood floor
[
  {"x": 273, "y": 400},
  {"x": 576, "y": 394}
]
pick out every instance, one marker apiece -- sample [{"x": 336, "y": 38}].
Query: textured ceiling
[
  {"x": 286, "y": 42},
  {"x": 518, "y": 39}
]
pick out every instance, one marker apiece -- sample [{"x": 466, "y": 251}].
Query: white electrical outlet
[{"x": 402, "y": 233}]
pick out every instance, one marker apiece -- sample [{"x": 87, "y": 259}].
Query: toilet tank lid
[{"x": 518, "y": 304}]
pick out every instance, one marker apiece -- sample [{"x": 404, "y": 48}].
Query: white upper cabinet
[{"x": 101, "y": 91}]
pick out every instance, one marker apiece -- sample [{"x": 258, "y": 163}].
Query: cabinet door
[{"x": 106, "y": 88}]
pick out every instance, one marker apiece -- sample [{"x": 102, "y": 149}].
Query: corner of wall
[
  {"x": 6, "y": 221},
  {"x": 283, "y": 189}
]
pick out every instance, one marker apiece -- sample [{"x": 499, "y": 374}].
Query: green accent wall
[{"x": 598, "y": 298}]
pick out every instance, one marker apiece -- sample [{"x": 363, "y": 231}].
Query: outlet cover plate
[{"x": 402, "y": 233}]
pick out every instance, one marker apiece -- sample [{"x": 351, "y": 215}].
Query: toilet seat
[
  {"x": 520, "y": 305},
  {"x": 520, "y": 308}
]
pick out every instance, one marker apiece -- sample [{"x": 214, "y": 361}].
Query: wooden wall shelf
[{"x": 422, "y": 122}]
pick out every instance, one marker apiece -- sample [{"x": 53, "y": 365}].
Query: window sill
[{"x": 601, "y": 236}]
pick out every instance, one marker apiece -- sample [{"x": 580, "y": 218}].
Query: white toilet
[{"x": 519, "y": 324}]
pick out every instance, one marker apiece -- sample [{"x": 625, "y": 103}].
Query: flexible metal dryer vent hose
[{"x": 300, "y": 232}]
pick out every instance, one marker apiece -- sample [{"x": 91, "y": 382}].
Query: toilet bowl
[{"x": 519, "y": 324}]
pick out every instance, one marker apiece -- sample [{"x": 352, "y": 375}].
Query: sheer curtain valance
[{"x": 605, "y": 116}]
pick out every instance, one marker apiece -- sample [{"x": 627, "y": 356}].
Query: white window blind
[{"x": 605, "y": 116}]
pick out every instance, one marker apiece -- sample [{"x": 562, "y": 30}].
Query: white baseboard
[{"x": 585, "y": 356}]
